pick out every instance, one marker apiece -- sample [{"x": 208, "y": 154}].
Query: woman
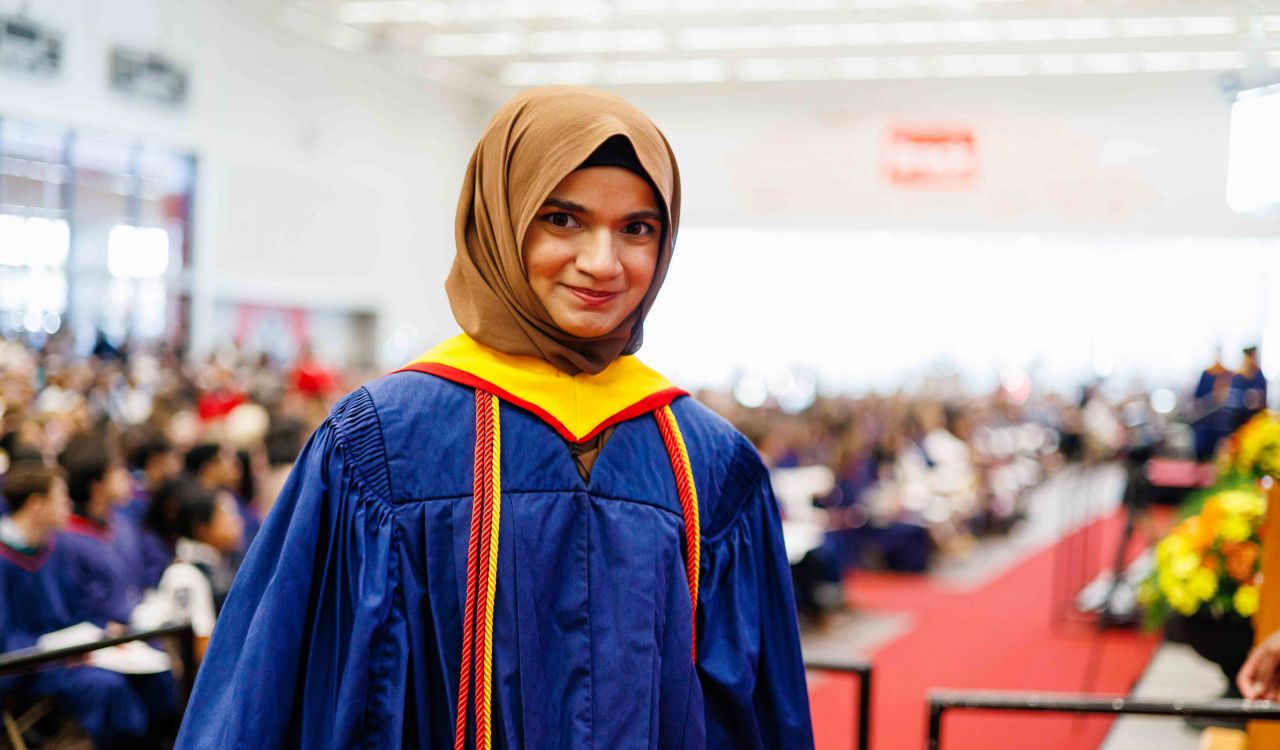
[{"x": 527, "y": 538}]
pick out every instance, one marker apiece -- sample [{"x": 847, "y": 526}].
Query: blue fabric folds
[{"x": 343, "y": 629}]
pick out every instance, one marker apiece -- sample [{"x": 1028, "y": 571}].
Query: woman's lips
[{"x": 592, "y": 297}]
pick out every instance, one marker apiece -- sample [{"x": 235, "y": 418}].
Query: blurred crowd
[
  {"x": 896, "y": 481},
  {"x": 134, "y": 483}
]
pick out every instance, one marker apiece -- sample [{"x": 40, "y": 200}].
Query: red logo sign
[{"x": 930, "y": 157}]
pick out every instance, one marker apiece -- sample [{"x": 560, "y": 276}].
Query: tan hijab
[{"x": 529, "y": 146}]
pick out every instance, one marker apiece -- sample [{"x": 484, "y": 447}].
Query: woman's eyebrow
[
  {"x": 645, "y": 214},
  {"x": 567, "y": 205}
]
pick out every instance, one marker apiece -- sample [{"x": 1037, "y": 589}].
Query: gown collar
[
  {"x": 578, "y": 407},
  {"x": 90, "y": 527}
]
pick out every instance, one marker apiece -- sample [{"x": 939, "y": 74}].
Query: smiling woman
[
  {"x": 526, "y": 538},
  {"x": 591, "y": 251}
]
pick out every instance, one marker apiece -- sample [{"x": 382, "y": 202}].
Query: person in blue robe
[
  {"x": 526, "y": 538},
  {"x": 111, "y": 710},
  {"x": 1248, "y": 394},
  {"x": 1213, "y": 417},
  {"x": 102, "y": 552},
  {"x": 154, "y": 464}
]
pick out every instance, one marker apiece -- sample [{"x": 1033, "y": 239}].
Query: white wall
[
  {"x": 1134, "y": 154},
  {"x": 325, "y": 179},
  {"x": 1101, "y": 197}
]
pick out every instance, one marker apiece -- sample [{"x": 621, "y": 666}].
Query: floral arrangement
[
  {"x": 1210, "y": 561},
  {"x": 1254, "y": 449}
]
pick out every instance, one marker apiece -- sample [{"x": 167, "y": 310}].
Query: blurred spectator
[
  {"x": 1211, "y": 419},
  {"x": 111, "y": 708},
  {"x": 206, "y": 528},
  {"x": 1248, "y": 394},
  {"x": 102, "y": 549}
]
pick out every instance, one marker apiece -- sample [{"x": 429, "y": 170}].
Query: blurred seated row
[{"x": 132, "y": 488}]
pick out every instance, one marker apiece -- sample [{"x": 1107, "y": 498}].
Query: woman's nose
[{"x": 597, "y": 257}]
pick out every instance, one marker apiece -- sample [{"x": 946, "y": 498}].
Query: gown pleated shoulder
[{"x": 344, "y": 628}]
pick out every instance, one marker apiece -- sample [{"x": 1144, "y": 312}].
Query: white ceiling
[{"x": 500, "y": 44}]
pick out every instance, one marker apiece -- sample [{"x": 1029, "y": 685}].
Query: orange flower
[
  {"x": 1242, "y": 557},
  {"x": 1211, "y": 517}
]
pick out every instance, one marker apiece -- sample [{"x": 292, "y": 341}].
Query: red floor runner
[{"x": 1002, "y": 636}]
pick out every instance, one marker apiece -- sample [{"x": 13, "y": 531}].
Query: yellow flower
[
  {"x": 1246, "y": 600},
  {"x": 1185, "y": 564},
  {"x": 1184, "y": 603},
  {"x": 1236, "y": 529},
  {"x": 1242, "y": 502},
  {"x": 1203, "y": 584},
  {"x": 1169, "y": 548}
]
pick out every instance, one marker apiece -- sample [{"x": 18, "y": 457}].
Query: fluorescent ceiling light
[
  {"x": 918, "y": 32},
  {"x": 597, "y": 42},
  {"x": 1218, "y": 60},
  {"x": 1085, "y": 28},
  {"x": 1208, "y": 25},
  {"x": 1147, "y": 27},
  {"x": 868, "y": 67},
  {"x": 617, "y": 72},
  {"x": 474, "y": 45},
  {"x": 1057, "y": 65},
  {"x": 810, "y": 36},
  {"x": 540, "y": 73},
  {"x": 1164, "y": 62},
  {"x": 394, "y": 11},
  {"x": 1031, "y": 29},
  {"x": 1108, "y": 62},
  {"x": 666, "y": 71}
]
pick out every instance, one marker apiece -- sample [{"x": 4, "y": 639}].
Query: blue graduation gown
[
  {"x": 343, "y": 628},
  {"x": 101, "y": 581},
  {"x": 107, "y": 705}
]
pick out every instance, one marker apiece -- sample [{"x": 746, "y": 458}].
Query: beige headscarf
[{"x": 529, "y": 146}]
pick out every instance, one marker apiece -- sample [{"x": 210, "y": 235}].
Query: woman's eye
[
  {"x": 638, "y": 228},
  {"x": 560, "y": 220}
]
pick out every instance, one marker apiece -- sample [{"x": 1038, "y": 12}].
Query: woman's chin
[{"x": 587, "y": 326}]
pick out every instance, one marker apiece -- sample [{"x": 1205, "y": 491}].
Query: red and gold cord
[
  {"x": 482, "y": 558},
  {"x": 482, "y": 574},
  {"x": 688, "y": 493}
]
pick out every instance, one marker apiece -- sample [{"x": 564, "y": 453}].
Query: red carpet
[{"x": 1002, "y": 636}]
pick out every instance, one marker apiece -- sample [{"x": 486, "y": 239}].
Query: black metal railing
[
  {"x": 862, "y": 710},
  {"x": 29, "y": 659},
  {"x": 1071, "y": 703}
]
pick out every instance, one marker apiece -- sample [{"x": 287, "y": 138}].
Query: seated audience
[{"x": 116, "y": 711}]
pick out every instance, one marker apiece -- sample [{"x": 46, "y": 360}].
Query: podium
[{"x": 1267, "y": 619}]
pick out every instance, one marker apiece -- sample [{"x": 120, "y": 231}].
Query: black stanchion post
[
  {"x": 864, "y": 709},
  {"x": 935, "y": 725},
  {"x": 862, "y": 671}
]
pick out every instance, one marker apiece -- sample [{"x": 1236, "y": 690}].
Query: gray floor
[{"x": 1174, "y": 672}]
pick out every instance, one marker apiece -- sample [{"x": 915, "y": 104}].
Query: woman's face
[{"x": 591, "y": 250}]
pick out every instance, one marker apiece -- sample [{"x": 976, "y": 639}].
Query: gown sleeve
[
  {"x": 306, "y": 651},
  {"x": 749, "y": 659}
]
